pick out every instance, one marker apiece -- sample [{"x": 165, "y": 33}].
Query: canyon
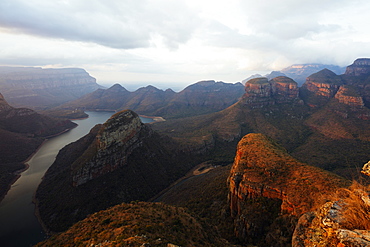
[
  {"x": 258, "y": 138},
  {"x": 22, "y": 131}
]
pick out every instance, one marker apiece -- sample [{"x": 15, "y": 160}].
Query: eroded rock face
[
  {"x": 266, "y": 184},
  {"x": 118, "y": 137},
  {"x": 261, "y": 92},
  {"x": 360, "y": 66},
  {"x": 323, "y": 83},
  {"x": 349, "y": 96},
  {"x": 122, "y": 160}
]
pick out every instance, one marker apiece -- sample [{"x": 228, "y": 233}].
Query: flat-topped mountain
[
  {"x": 359, "y": 67},
  {"x": 200, "y": 98},
  {"x": 39, "y": 88},
  {"x": 21, "y": 132},
  {"x": 122, "y": 160}
]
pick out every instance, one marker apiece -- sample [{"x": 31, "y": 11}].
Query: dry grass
[{"x": 356, "y": 206}]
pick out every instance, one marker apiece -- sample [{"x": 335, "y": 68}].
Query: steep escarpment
[
  {"x": 122, "y": 160},
  {"x": 38, "y": 88},
  {"x": 116, "y": 140},
  {"x": 261, "y": 92},
  {"x": 21, "y": 132},
  {"x": 268, "y": 190}
]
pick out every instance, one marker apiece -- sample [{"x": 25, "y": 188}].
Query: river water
[{"x": 18, "y": 225}]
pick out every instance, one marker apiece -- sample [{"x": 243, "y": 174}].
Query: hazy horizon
[{"x": 180, "y": 43}]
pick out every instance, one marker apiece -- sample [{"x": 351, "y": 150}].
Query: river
[{"x": 18, "y": 225}]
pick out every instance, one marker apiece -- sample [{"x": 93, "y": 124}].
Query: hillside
[
  {"x": 122, "y": 160},
  {"x": 39, "y": 89},
  {"x": 256, "y": 202},
  {"x": 21, "y": 132},
  {"x": 200, "y": 98},
  {"x": 138, "y": 224},
  {"x": 324, "y": 123}
]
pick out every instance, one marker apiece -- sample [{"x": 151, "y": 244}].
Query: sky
[{"x": 174, "y": 43}]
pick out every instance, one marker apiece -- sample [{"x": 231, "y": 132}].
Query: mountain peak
[
  {"x": 117, "y": 87},
  {"x": 116, "y": 139}
]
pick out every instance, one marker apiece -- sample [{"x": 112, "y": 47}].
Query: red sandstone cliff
[
  {"x": 266, "y": 182},
  {"x": 260, "y": 92}
]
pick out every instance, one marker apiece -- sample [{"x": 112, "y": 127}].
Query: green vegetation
[{"x": 135, "y": 224}]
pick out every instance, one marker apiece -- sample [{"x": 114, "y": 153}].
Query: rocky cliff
[
  {"x": 116, "y": 140},
  {"x": 260, "y": 92},
  {"x": 348, "y": 95},
  {"x": 324, "y": 83},
  {"x": 268, "y": 190},
  {"x": 122, "y": 160},
  {"x": 41, "y": 88}
]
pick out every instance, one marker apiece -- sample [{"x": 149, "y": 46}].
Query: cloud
[
  {"x": 117, "y": 24},
  {"x": 187, "y": 40}
]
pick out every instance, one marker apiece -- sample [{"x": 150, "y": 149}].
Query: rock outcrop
[
  {"x": 267, "y": 186},
  {"x": 360, "y": 67},
  {"x": 122, "y": 160},
  {"x": 323, "y": 83},
  {"x": 348, "y": 95},
  {"x": 260, "y": 92},
  {"x": 342, "y": 221},
  {"x": 41, "y": 88},
  {"x": 116, "y": 140}
]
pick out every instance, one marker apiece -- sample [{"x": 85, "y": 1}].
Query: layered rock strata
[
  {"x": 347, "y": 95},
  {"x": 116, "y": 140},
  {"x": 323, "y": 83},
  {"x": 260, "y": 92},
  {"x": 266, "y": 180}
]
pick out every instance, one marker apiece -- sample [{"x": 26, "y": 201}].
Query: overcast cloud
[{"x": 183, "y": 41}]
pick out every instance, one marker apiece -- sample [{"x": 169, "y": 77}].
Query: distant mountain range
[
  {"x": 40, "y": 89},
  {"x": 324, "y": 123},
  {"x": 199, "y": 98},
  {"x": 299, "y": 72}
]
